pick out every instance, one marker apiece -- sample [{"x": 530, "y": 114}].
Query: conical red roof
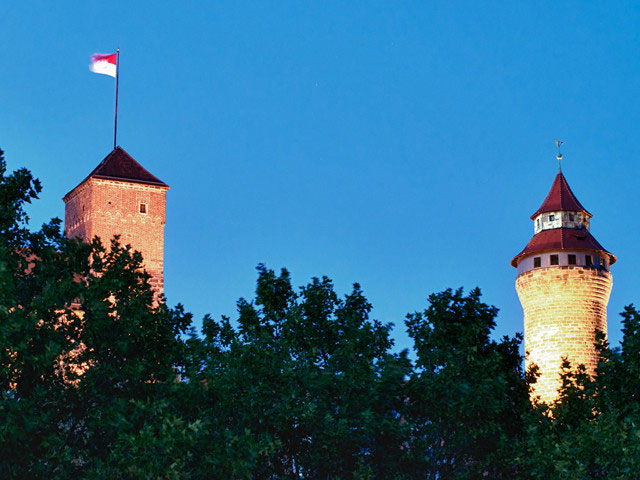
[
  {"x": 560, "y": 198},
  {"x": 562, "y": 239}
]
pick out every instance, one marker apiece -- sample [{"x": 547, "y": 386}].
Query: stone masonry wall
[
  {"x": 105, "y": 208},
  {"x": 77, "y": 212},
  {"x": 563, "y": 307}
]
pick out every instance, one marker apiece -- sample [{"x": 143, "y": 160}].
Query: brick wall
[
  {"x": 105, "y": 208},
  {"x": 563, "y": 306}
]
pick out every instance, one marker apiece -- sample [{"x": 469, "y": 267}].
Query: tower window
[
  {"x": 552, "y": 218},
  {"x": 572, "y": 259},
  {"x": 536, "y": 262},
  {"x": 588, "y": 261},
  {"x": 553, "y": 259},
  {"x": 143, "y": 208},
  {"x": 570, "y": 217}
]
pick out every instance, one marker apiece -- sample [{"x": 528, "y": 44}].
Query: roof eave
[
  {"x": 541, "y": 211},
  {"x": 64, "y": 199},
  {"x": 130, "y": 180},
  {"x": 515, "y": 260}
]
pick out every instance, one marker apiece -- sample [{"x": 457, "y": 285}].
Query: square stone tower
[{"x": 120, "y": 197}]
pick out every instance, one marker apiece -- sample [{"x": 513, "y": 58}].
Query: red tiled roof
[
  {"x": 561, "y": 239},
  {"x": 119, "y": 165},
  {"x": 560, "y": 198}
]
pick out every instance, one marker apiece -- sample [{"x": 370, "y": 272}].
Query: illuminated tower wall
[
  {"x": 121, "y": 198},
  {"x": 564, "y": 285}
]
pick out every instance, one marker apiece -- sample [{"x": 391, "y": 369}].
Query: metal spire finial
[{"x": 559, "y": 156}]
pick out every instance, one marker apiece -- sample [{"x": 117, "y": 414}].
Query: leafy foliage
[
  {"x": 83, "y": 345},
  {"x": 467, "y": 394},
  {"x": 99, "y": 378},
  {"x": 305, "y": 385},
  {"x": 593, "y": 429}
]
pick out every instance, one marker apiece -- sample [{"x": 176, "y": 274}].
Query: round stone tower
[{"x": 564, "y": 285}]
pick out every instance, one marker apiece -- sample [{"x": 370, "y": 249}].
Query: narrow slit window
[
  {"x": 552, "y": 218},
  {"x": 143, "y": 208},
  {"x": 553, "y": 259},
  {"x": 588, "y": 261},
  {"x": 536, "y": 262},
  {"x": 572, "y": 259},
  {"x": 570, "y": 217}
]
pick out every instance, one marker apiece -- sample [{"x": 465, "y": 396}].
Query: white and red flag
[
  {"x": 104, "y": 63},
  {"x": 108, "y": 64}
]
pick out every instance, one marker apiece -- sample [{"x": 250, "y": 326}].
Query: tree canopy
[{"x": 100, "y": 380}]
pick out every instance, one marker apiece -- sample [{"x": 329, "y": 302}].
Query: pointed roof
[
  {"x": 560, "y": 198},
  {"x": 562, "y": 239},
  {"x": 119, "y": 165}
]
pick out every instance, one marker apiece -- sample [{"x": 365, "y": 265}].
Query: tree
[
  {"x": 468, "y": 393},
  {"x": 83, "y": 346},
  {"x": 593, "y": 429},
  {"x": 303, "y": 387},
  {"x": 100, "y": 380}
]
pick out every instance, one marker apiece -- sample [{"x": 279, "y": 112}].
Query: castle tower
[
  {"x": 564, "y": 285},
  {"x": 120, "y": 197}
]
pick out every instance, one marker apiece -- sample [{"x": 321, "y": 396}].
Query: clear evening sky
[{"x": 401, "y": 145}]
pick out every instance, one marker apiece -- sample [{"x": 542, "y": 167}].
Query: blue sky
[{"x": 401, "y": 145}]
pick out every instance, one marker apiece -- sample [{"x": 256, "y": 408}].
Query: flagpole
[{"x": 115, "y": 127}]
